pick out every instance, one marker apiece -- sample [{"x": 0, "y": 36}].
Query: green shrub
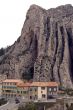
[
  {"x": 69, "y": 91},
  {"x": 3, "y": 101},
  {"x": 28, "y": 106}
]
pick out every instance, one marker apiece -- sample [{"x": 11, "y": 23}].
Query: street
[{"x": 9, "y": 106}]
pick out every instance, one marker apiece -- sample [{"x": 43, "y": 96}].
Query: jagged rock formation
[{"x": 44, "y": 49}]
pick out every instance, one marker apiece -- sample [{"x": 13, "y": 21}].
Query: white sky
[{"x": 13, "y": 13}]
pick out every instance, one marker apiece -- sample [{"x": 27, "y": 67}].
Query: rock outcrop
[{"x": 44, "y": 50}]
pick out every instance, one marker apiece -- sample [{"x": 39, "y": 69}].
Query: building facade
[
  {"x": 2, "y": 78},
  {"x": 9, "y": 87},
  {"x": 23, "y": 90},
  {"x": 43, "y": 90},
  {"x": 32, "y": 91}
]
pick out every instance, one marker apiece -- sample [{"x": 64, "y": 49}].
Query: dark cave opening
[
  {"x": 31, "y": 71},
  {"x": 70, "y": 42},
  {"x": 28, "y": 75}
]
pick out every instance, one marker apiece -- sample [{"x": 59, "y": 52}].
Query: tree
[{"x": 2, "y": 51}]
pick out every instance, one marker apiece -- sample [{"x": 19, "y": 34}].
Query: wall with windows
[
  {"x": 22, "y": 92},
  {"x": 33, "y": 93},
  {"x": 52, "y": 91},
  {"x": 42, "y": 93},
  {"x": 9, "y": 89}
]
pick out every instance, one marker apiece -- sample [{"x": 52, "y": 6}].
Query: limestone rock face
[{"x": 44, "y": 50}]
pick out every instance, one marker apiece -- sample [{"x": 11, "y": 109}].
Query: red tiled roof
[
  {"x": 20, "y": 83},
  {"x": 13, "y": 81},
  {"x": 23, "y": 84},
  {"x": 42, "y": 84},
  {"x": 38, "y": 84}
]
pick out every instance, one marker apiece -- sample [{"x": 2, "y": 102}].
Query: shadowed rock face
[{"x": 44, "y": 51}]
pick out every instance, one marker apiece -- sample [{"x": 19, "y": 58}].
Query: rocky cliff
[{"x": 44, "y": 50}]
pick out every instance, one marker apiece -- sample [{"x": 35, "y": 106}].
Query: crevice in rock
[
  {"x": 70, "y": 42},
  {"x": 63, "y": 44},
  {"x": 36, "y": 46},
  {"x": 56, "y": 48},
  {"x": 56, "y": 35},
  {"x": 48, "y": 29},
  {"x": 61, "y": 52}
]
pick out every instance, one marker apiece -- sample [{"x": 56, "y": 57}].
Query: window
[
  {"x": 30, "y": 89},
  {"x": 15, "y": 95},
  {"x": 55, "y": 89},
  {"x": 42, "y": 88},
  {"x": 49, "y": 89},
  {"x": 30, "y": 97},
  {"x": 7, "y": 83},
  {"x": 43, "y": 95},
  {"x": 41, "y": 91},
  {"x": 35, "y": 89},
  {"x": 35, "y": 96},
  {"x": 8, "y": 91},
  {"x": 18, "y": 91},
  {"x": 10, "y": 83},
  {"x": 21, "y": 92},
  {"x": 14, "y": 83},
  {"x": 4, "y": 86},
  {"x": 24, "y": 92}
]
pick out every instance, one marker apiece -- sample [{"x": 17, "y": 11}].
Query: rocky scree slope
[{"x": 44, "y": 50}]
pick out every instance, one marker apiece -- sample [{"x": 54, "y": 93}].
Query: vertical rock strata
[{"x": 44, "y": 51}]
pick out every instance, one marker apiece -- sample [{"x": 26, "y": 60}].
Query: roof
[
  {"x": 20, "y": 83},
  {"x": 42, "y": 84},
  {"x": 38, "y": 84},
  {"x": 13, "y": 80},
  {"x": 23, "y": 84}
]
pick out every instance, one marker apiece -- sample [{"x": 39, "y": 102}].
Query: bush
[
  {"x": 28, "y": 106},
  {"x": 21, "y": 107},
  {"x": 3, "y": 101},
  {"x": 69, "y": 92},
  {"x": 2, "y": 51}
]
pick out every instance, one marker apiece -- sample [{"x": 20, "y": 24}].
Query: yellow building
[
  {"x": 9, "y": 87},
  {"x": 2, "y": 78}
]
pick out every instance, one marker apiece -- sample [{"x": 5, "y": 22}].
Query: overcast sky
[{"x": 13, "y": 13}]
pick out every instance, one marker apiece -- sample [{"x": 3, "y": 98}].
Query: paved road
[{"x": 9, "y": 106}]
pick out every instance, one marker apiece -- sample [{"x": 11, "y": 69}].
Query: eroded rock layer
[{"x": 44, "y": 51}]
